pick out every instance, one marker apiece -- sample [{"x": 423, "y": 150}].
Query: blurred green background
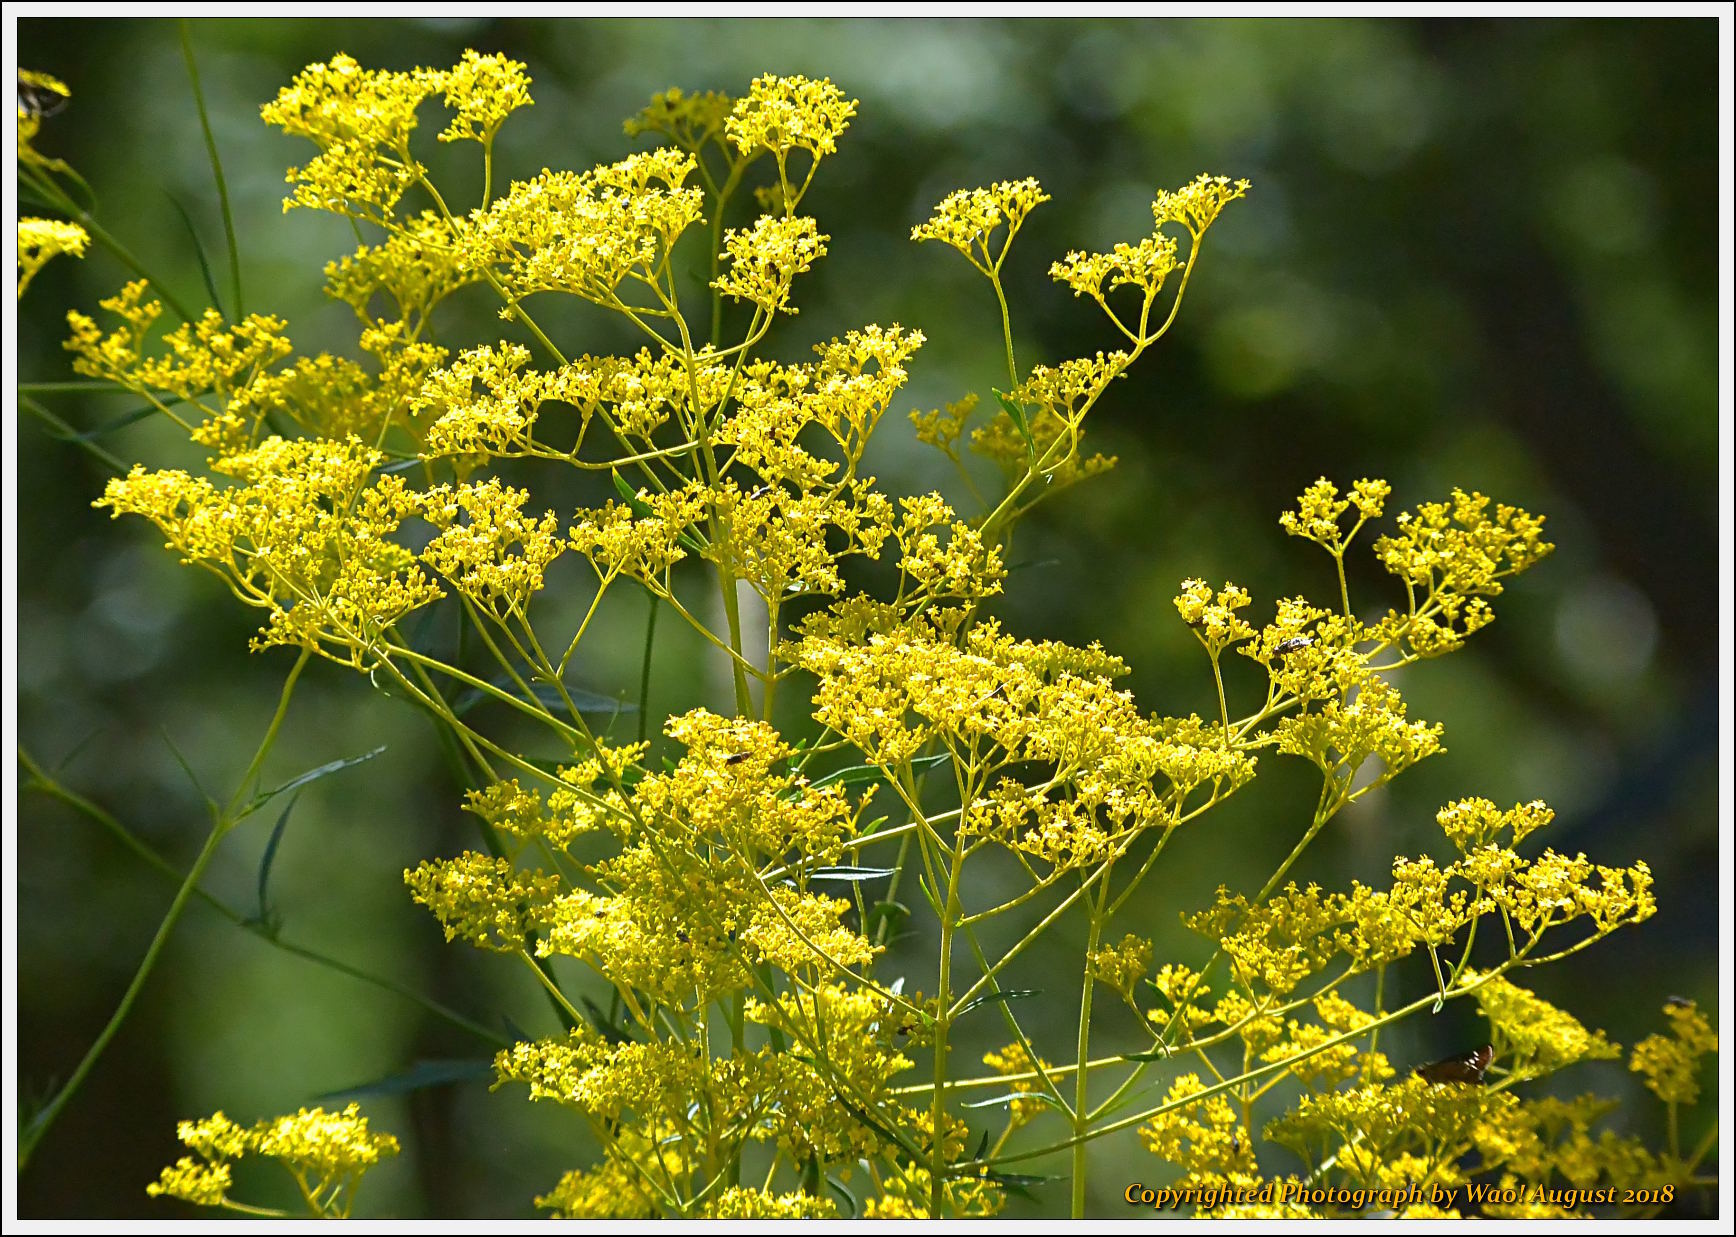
[{"x": 1476, "y": 253}]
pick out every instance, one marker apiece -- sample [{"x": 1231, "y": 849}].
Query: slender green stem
[
  {"x": 1082, "y": 1080},
  {"x": 216, "y": 171},
  {"x": 60, "y": 201},
  {"x": 221, "y": 823},
  {"x": 1343, "y": 584},
  {"x": 45, "y": 783},
  {"x": 1006, "y": 328},
  {"x": 32, "y": 1134},
  {"x": 70, "y": 433}
]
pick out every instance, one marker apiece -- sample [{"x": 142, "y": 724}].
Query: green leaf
[
  {"x": 632, "y": 499},
  {"x": 848, "y": 874},
  {"x": 199, "y": 252},
  {"x": 314, "y": 775},
  {"x": 1017, "y": 413},
  {"x": 993, "y": 998},
  {"x": 267, "y": 917},
  {"x": 417, "y": 1077},
  {"x": 1009, "y": 1097},
  {"x": 107, "y": 427},
  {"x": 643, "y": 511},
  {"x": 1032, "y": 564},
  {"x": 547, "y": 695},
  {"x": 855, "y": 775},
  {"x": 892, "y": 914},
  {"x": 852, "y": 1208},
  {"x": 1155, "y": 1054}
]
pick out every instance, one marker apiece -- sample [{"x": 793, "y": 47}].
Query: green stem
[
  {"x": 70, "y": 433},
  {"x": 1081, "y": 1080},
  {"x": 221, "y": 824},
  {"x": 1006, "y": 328},
  {"x": 47, "y": 784},
  {"x": 106, "y": 239},
  {"x": 32, "y": 1134},
  {"x": 216, "y": 171}
]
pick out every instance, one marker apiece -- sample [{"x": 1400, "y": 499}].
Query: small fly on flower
[{"x": 1295, "y": 644}]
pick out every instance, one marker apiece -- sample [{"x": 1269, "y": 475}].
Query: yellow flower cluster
[
  {"x": 786, "y": 114},
  {"x": 1671, "y": 1063},
  {"x": 1533, "y": 1036},
  {"x": 1274, "y": 945},
  {"x": 1319, "y": 512},
  {"x": 968, "y": 218},
  {"x": 587, "y": 233},
  {"x": 482, "y": 92},
  {"x": 1122, "y": 966},
  {"x": 1197, "y": 204},
  {"x": 327, "y": 1153},
  {"x": 42, "y": 239},
  {"x": 305, "y": 534},
  {"x": 1204, "y": 1138},
  {"x": 688, "y": 120},
  {"x": 415, "y": 267}
]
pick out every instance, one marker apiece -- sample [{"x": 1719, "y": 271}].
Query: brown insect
[{"x": 1466, "y": 1067}]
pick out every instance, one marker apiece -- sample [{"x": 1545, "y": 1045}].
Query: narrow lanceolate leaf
[
  {"x": 417, "y": 1077},
  {"x": 547, "y": 695},
  {"x": 851, "y": 1208},
  {"x": 991, "y": 998},
  {"x": 849, "y": 875},
  {"x": 640, "y": 508},
  {"x": 107, "y": 427},
  {"x": 854, "y": 775},
  {"x": 314, "y": 775},
  {"x": 199, "y": 252},
  {"x": 1017, "y": 413},
  {"x": 1011, "y": 1096},
  {"x": 634, "y": 503},
  {"x": 267, "y": 917}
]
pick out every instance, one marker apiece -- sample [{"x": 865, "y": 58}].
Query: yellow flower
[
  {"x": 784, "y": 114},
  {"x": 42, "y": 239},
  {"x": 966, "y": 219}
]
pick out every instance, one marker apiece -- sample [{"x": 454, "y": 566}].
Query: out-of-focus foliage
[{"x": 1481, "y": 254}]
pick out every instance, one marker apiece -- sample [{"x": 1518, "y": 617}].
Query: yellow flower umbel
[
  {"x": 325, "y": 1153},
  {"x": 42, "y": 239}
]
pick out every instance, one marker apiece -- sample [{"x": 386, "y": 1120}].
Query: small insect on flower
[
  {"x": 1295, "y": 644},
  {"x": 735, "y": 758},
  {"x": 1466, "y": 1067},
  {"x": 1678, "y": 1002}
]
